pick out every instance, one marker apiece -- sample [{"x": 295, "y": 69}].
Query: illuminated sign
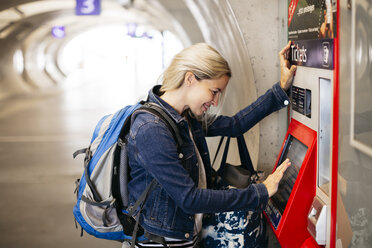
[
  {"x": 58, "y": 32},
  {"x": 88, "y": 7}
]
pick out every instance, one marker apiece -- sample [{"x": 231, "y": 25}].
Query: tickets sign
[{"x": 312, "y": 53}]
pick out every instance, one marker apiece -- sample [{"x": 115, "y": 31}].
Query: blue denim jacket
[{"x": 170, "y": 208}]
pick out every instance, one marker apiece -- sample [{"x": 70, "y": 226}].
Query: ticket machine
[{"x": 300, "y": 213}]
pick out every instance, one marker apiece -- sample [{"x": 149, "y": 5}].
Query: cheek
[
  {"x": 198, "y": 97},
  {"x": 198, "y": 100},
  {"x": 203, "y": 97}
]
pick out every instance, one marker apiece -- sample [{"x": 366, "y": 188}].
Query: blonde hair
[
  {"x": 204, "y": 62},
  {"x": 201, "y": 59}
]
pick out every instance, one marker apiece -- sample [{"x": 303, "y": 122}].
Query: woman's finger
[
  {"x": 285, "y": 49},
  {"x": 283, "y": 167}
]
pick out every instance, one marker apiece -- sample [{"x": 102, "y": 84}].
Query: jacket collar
[{"x": 155, "y": 98}]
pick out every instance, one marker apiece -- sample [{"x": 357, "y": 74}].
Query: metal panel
[
  {"x": 354, "y": 168},
  {"x": 324, "y": 134},
  {"x": 361, "y": 76},
  {"x": 308, "y": 78}
]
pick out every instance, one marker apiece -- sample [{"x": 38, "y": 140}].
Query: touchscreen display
[{"x": 295, "y": 151}]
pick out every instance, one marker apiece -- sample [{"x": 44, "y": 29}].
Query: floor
[{"x": 38, "y": 134}]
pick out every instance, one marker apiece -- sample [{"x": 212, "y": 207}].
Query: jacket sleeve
[
  {"x": 156, "y": 151},
  {"x": 273, "y": 100}
]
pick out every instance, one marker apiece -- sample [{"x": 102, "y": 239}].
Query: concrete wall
[
  {"x": 263, "y": 25},
  {"x": 250, "y": 35}
]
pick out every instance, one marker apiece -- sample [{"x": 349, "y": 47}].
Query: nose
[{"x": 215, "y": 99}]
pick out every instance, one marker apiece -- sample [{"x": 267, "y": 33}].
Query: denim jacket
[{"x": 170, "y": 208}]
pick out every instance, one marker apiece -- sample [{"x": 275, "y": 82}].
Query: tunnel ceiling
[
  {"x": 144, "y": 12},
  {"x": 25, "y": 25}
]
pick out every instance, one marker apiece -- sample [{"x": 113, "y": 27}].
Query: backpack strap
[
  {"x": 122, "y": 144},
  {"x": 80, "y": 151},
  {"x": 140, "y": 203},
  {"x": 121, "y": 179},
  {"x": 158, "y": 111}
]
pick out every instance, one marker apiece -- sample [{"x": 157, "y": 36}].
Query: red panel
[
  {"x": 292, "y": 229},
  {"x": 309, "y": 243},
  {"x": 336, "y": 97}
]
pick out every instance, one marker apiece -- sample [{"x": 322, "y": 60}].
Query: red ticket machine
[
  {"x": 302, "y": 212},
  {"x": 299, "y": 213}
]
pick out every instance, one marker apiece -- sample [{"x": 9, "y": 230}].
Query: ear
[{"x": 189, "y": 78}]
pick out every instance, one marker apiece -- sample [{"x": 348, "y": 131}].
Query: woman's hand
[
  {"x": 286, "y": 72},
  {"x": 272, "y": 181}
]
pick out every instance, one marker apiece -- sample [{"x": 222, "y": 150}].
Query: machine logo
[{"x": 326, "y": 47}]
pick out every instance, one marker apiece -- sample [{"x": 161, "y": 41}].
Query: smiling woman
[{"x": 185, "y": 188}]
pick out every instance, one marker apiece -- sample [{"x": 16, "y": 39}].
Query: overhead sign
[{"x": 88, "y": 7}]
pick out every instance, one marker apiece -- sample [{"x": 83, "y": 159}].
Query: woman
[{"x": 193, "y": 82}]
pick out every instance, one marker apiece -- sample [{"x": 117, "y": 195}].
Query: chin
[{"x": 197, "y": 114}]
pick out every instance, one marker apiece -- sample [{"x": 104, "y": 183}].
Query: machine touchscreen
[{"x": 295, "y": 151}]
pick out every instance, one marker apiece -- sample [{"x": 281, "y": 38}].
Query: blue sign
[
  {"x": 88, "y": 7},
  {"x": 58, "y": 32},
  {"x": 133, "y": 32}
]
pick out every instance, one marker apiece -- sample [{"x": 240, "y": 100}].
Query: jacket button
[
  {"x": 286, "y": 102},
  {"x": 180, "y": 156},
  {"x": 187, "y": 235}
]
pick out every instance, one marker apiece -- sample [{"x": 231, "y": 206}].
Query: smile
[{"x": 205, "y": 107}]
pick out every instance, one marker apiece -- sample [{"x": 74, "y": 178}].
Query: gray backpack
[{"x": 102, "y": 194}]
